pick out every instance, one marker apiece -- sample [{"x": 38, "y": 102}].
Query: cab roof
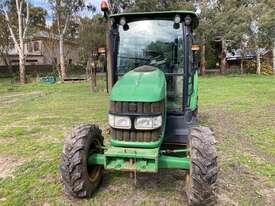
[{"x": 158, "y": 15}]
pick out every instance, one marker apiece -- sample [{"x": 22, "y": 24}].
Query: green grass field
[{"x": 34, "y": 119}]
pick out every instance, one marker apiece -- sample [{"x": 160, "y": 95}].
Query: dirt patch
[
  {"x": 224, "y": 200},
  {"x": 5, "y": 140},
  {"x": 8, "y": 166},
  {"x": 269, "y": 193},
  {"x": 271, "y": 108}
]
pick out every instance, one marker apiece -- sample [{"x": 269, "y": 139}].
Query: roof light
[
  {"x": 122, "y": 21},
  {"x": 177, "y": 19}
]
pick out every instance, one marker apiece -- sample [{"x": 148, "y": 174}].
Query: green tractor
[{"x": 153, "y": 84}]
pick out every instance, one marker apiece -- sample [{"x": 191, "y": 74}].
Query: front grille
[{"x": 136, "y": 108}]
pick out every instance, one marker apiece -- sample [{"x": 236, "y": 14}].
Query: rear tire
[
  {"x": 202, "y": 176},
  {"x": 80, "y": 179}
]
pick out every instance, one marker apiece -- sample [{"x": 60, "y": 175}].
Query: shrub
[{"x": 251, "y": 67}]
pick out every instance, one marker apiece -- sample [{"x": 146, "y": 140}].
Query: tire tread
[
  {"x": 202, "y": 187},
  {"x": 74, "y": 160}
]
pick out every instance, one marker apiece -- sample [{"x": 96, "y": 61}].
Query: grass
[{"x": 35, "y": 117}]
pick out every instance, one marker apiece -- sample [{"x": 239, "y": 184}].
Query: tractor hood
[{"x": 143, "y": 84}]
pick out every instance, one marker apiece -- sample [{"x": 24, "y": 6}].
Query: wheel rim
[{"x": 94, "y": 171}]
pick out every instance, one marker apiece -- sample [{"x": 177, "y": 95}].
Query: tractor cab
[{"x": 143, "y": 43}]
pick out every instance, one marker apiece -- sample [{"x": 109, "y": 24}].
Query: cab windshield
[
  {"x": 150, "y": 42},
  {"x": 157, "y": 43}
]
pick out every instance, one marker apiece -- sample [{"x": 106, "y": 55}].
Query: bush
[{"x": 251, "y": 67}]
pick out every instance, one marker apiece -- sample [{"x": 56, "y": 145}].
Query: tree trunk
[
  {"x": 202, "y": 66},
  {"x": 273, "y": 54},
  {"x": 241, "y": 65},
  {"x": 22, "y": 74},
  {"x": 94, "y": 89},
  {"x": 223, "y": 63},
  {"x": 21, "y": 52},
  {"x": 18, "y": 40},
  {"x": 62, "y": 59},
  {"x": 223, "y": 58},
  {"x": 258, "y": 59},
  {"x": 88, "y": 69}
]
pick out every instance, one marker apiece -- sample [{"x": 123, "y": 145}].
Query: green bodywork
[
  {"x": 140, "y": 87},
  {"x": 137, "y": 159},
  {"x": 193, "y": 91}
]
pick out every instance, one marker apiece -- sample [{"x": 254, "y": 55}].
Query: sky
[{"x": 44, "y": 4}]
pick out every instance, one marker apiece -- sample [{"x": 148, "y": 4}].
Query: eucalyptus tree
[
  {"x": 228, "y": 24},
  {"x": 65, "y": 11},
  {"x": 265, "y": 23},
  {"x": 259, "y": 34},
  {"x": 147, "y": 6},
  {"x": 91, "y": 34},
  {"x": 18, "y": 29},
  {"x": 18, "y": 19},
  {"x": 4, "y": 41}
]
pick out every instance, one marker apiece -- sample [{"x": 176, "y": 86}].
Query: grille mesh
[{"x": 141, "y": 108}]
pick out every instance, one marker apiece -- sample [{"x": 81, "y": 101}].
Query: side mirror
[{"x": 195, "y": 49}]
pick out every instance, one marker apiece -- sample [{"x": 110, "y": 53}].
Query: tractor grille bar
[{"x": 139, "y": 108}]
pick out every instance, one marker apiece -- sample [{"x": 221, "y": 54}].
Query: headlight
[
  {"x": 120, "y": 122},
  {"x": 148, "y": 123}
]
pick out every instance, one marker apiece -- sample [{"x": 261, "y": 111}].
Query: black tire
[
  {"x": 81, "y": 180},
  {"x": 202, "y": 176}
]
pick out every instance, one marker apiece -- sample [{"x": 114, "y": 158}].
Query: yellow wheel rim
[{"x": 94, "y": 172}]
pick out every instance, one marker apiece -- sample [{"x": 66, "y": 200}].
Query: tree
[
  {"x": 37, "y": 17},
  {"x": 23, "y": 17},
  {"x": 64, "y": 12},
  {"x": 4, "y": 42},
  {"x": 266, "y": 26},
  {"x": 225, "y": 22},
  {"x": 146, "y": 6},
  {"x": 91, "y": 37},
  {"x": 91, "y": 34},
  {"x": 259, "y": 30},
  {"x": 50, "y": 44},
  {"x": 202, "y": 33}
]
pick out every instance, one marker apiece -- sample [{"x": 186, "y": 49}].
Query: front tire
[
  {"x": 80, "y": 179},
  {"x": 202, "y": 176}
]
